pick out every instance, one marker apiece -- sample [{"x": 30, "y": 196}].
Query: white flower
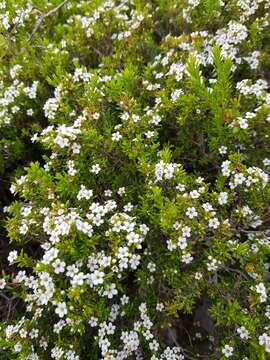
[
  {"x": 239, "y": 179},
  {"x": 165, "y": 170},
  {"x": 223, "y": 150},
  {"x": 50, "y": 255},
  {"x": 128, "y": 207},
  {"x": 154, "y": 345},
  {"x": 243, "y": 123},
  {"x": 180, "y": 187},
  {"x": 244, "y": 334},
  {"x": 198, "y": 276},
  {"x": 23, "y": 333},
  {"x": 72, "y": 270},
  {"x": 59, "y": 266},
  {"x": 95, "y": 169},
  {"x": 14, "y": 71},
  {"x": 160, "y": 306},
  {"x": 191, "y": 212},
  {"x": 125, "y": 116},
  {"x": 151, "y": 267},
  {"x": 194, "y": 194},
  {"x": 266, "y": 162},
  {"x": 84, "y": 193},
  {"x": 134, "y": 238},
  {"x": 264, "y": 339},
  {"x": 214, "y": 223},
  {"x": 31, "y": 92},
  {"x": 135, "y": 261},
  {"x": 17, "y": 347},
  {"x": 61, "y": 309},
  {"x": 97, "y": 277},
  {"x": 149, "y": 134},
  {"x": 124, "y": 299},
  {"x": 207, "y": 207},
  {"x": 12, "y": 256},
  {"x": 76, "y": 148},
  {"x": 110, "y": 291},
  {"x": 223, "y": 198},
  {"x": 121, "y": 191},
  {"x": 78, "y": 279},
  {"x": 2, "y": 283},
  {"x": 50, "y": 108},
  {"x": 213, "y": 264},
  {"x": 71, "y": 169},
  {"x": 96, "y": 115},
  {"x": 187, "y": 258},
  {"x": 116, "y": 136},
  {"x": 176, "y": 94},
  {"x": 23, "y": 229},
  {"x": 182, "y": 242},
  {"x": 225, "y": 168},
  {"x": 186, "y": 231},
  {"x": 261, "y": 289},
  {"x": 227, "y": 351},
  {"x": 93, "y": 321},
  {"x": 108, "y": 192},
  {"x": 156, "y": 119}
]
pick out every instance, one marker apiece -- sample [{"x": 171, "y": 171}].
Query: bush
[{"x": 142, "y": 231}]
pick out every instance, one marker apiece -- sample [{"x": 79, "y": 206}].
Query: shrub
[{"x": 143, "y": 232}]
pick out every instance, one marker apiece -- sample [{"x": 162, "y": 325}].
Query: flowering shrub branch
[{"x": 140, "y": 230}]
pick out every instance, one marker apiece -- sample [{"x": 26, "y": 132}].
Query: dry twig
[{"x": 44, "y": 16}]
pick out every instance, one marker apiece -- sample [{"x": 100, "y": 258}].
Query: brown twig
[
  {"x": 184, "y": 351},
  {"x": 9, "y": 302},
  {"x": 44, "y": 16},
  {"x": 228, "y": 269}
]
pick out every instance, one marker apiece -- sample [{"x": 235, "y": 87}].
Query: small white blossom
[
  {"x": 191, "y": 212},
  {"x": 116, "y": 136},
  {"x": 12, "y": 256},
  {"x": 61, "y": 309},
  {"x": 95, "y": 169},
  {"x": 227, "y": 351}
]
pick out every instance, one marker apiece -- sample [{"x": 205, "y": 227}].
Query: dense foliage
[{"x": 135, "y": 144}]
